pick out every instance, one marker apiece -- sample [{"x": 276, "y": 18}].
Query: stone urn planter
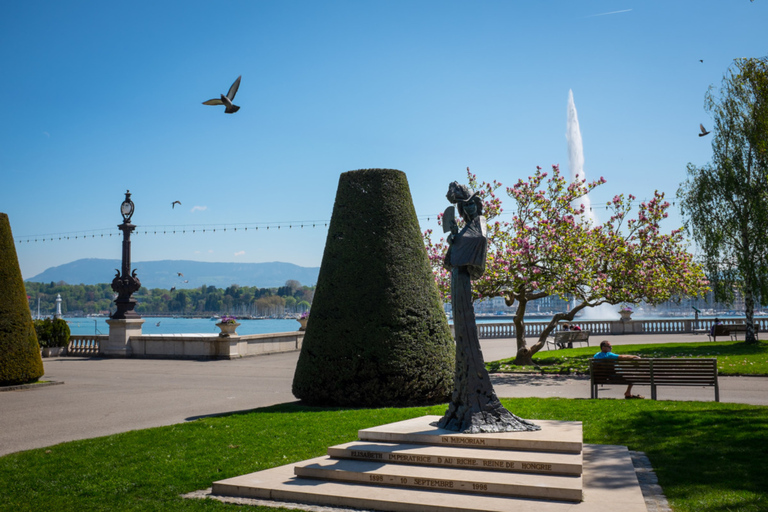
[
  {"x": 626, "y": 316},
  {"x": 227, "y": 328},
  {"x": 303, "y": 322},
  {"x": 54, "y": 351}
]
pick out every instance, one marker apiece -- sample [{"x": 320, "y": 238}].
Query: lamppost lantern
[{"x": 127, "y": 207}]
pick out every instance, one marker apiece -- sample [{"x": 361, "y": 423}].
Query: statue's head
[{"x": 468, "y": 202}]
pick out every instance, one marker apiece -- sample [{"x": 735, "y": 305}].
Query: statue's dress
[{"x": 474, "y": 407}]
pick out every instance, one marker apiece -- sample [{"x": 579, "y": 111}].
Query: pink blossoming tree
[{"x": 550, "y": 248}]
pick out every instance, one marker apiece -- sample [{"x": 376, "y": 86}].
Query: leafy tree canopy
[{"x": 725, "y": 202}]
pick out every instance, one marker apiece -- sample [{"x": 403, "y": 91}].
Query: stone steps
[
  {"x": 476, "y": 481},
  {"x": 412, "y": 466},
  {"x": 487, "y": 459}
]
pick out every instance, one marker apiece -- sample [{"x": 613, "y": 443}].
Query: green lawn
[
  {"x": 733, "y": 357},
  {"x": 709, "y": 457}
]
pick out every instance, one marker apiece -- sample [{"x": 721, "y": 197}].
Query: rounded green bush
[
  {"x": 20, "y": 360},
  {"x": 377, "y": 335},
  {"x": 44, "y": 331}
]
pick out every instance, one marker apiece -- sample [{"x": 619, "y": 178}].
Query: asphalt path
[{"x": 101, "y": 397}]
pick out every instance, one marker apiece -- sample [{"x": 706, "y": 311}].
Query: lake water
[{"x": 169, "y": 325}]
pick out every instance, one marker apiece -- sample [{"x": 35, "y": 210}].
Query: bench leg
[
  {"x": 653, "y": 392},
  {"x": 717, "y": 393}
]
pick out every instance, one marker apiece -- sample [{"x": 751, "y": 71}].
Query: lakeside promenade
[{"x": 101, "y": 397}]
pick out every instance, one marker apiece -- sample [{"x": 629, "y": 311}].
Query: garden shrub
[
  {"x": 52, "y": 333},
  {"x": 20, "y": 360},
  {"x": 377, "y": 334}
]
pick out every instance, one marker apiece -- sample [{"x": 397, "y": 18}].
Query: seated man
[{"x": 605, "y": 353}]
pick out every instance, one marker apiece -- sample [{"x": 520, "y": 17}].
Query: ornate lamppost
[
  {"x": 126, "y": 283},
  {"x": 125, "y": 322}
]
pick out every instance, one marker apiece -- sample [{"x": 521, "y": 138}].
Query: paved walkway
[{"x": 106, "y": 396}]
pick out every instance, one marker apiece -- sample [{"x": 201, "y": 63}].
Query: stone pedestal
[{"x": 120, "y": 332}]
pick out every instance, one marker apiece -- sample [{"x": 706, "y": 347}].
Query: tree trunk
[
  {"x": 524, "y": 356},
  {"x": 474, "y": 407},
  {"x": 749, "y": 305}
]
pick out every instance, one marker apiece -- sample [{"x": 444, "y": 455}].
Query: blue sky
[{"x": 100, "y": 97}]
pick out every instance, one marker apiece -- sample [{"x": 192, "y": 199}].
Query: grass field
[
  {"x": 709, "y": 457},
  {"x": 733, "y": 357}
]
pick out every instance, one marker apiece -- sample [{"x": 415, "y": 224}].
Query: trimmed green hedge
[
  {"x": 20, "y": 360},
  {"x": 377, "y": 335},
  {"x": 52, "y": 333}
]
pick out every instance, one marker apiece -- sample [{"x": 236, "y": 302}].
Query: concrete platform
[
  {"x": 420, "y": 431},
  {"x": 609, "y": 484}
]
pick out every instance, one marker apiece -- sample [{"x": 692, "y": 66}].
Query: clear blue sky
[{"x": 100, "y": 97}]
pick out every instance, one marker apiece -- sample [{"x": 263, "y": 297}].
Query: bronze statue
[{"x": 474, "y": 407}]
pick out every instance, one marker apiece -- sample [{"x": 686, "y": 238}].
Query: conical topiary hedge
[
  {"x": 377, "y": 335},
  {"x": 20, "y": 360}
]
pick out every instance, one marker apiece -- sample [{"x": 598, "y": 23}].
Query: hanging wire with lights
[{"x": 187, "y": 229}]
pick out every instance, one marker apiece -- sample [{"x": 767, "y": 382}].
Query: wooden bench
[
  {"x": 563, "y": 338},
  {"x": 719, "y": 330},
  {"x": 731, "y": 330},
  {"x": 654, "y": 372}
]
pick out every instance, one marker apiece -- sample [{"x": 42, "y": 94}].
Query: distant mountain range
[{"x": 165, "y": 273}]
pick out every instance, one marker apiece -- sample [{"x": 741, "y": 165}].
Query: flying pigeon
[
  {"x": 228, "y": 99},
  {"x": 173, "y": 288},
  {"x": 173, "y": 204},
  {"x": 703, "y": 131},
  {"x": 180, "y": 274}
]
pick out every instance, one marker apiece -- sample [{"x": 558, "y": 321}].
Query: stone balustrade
[
  {"x": 192, "y": 346},
  {"x": 85, "y": 345},
  {"x": 616, "y": 327},
  {"x": 212, "y": 346}
]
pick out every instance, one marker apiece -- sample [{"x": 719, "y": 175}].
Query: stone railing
[
  {"x": 191, "y": 346},
  {"x": 85, "y": 345},
  {"x": 614, "y": 327},
  {"x": 212, "y": 346}
]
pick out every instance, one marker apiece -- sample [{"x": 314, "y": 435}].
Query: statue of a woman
[{"x": 474, "y": 407}]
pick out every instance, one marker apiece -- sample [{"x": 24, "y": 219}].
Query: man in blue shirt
[{"x": 605, "y": 353}]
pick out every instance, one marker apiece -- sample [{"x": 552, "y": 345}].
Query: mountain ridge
[{"x": 164, "y": 273}]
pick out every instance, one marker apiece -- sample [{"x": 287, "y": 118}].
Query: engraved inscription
[
  {"x": 376, "y": 478},
  {"x": 462, "y": 440},
  {"x": 401, "y": 457},
  {"x": 366, "y": 455},
  {"x": 466, "y": 462},
  {"x": 429, "y": 482},
  {"x": 536, "y": 466},
  {"x": 479, "y": 487}
]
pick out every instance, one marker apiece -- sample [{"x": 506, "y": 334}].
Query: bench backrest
[
  {"x": 721, "y": 330},
  {"x": 657, "y": 371},
  {"x": 608, "y": 371},
  {"x": 566, "y": 336}
]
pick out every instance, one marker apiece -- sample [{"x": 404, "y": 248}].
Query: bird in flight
[
  {"x": 181, "y": 274},
  {"x": 228, "y": 99},
  {"x": 173, "y": 204},
  {"x": 173, "y": 288},
  {"x": 703, "y": 131}
]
